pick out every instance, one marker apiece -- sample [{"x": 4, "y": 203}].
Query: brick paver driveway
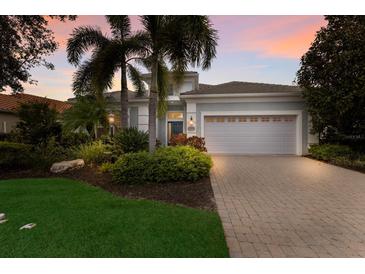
[{"x": 289, "y": 207}]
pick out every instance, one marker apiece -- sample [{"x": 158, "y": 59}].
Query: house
[
  {"x": 234, "y": 117},
  {"x": 10, "y": 103}
]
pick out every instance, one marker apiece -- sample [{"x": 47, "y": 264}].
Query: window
[
  {"x": 231, "y": 119},
  {"x": 174, "y": 115},
  {"x": 210, "y": 119},
  {"x": 4, "y": 127},
  {"x": 242, "y": 119},
  {"x": 288, "y": 119},
  {"x": 220, "y": 119},
  {"x": 253, "y": 119},
  {"x": 265, "y": 119}
]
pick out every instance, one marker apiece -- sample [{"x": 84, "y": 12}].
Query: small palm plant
[
  {"x": 179, "y": 41},
  {"x": 109, "y": 54},
  {"x": 86, "y": 114}
]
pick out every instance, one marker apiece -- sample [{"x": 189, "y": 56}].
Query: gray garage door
[{"x": 250, "y": 134}]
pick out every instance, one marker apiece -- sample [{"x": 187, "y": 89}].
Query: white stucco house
[{"x": 233, "y": 117}]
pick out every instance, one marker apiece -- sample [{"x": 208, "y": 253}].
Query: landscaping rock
[
  {"x": 67, "y": 165},
  {"x": 3, "y": 221},
  {"x": 28, "y": 226},
  {"x": 2, "y": 216}
]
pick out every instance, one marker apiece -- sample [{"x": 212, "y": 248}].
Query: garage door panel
[{"x": 251, "y": 135}]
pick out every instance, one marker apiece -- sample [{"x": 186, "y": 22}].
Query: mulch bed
[{"x": 196, "y": 195}]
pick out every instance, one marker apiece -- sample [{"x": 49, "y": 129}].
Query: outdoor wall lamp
[
  {"x": 191, "y": 122},
  {"x": 111, "y": 119}
]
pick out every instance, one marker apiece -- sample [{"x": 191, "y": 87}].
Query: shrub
[
  {"x": 329, "y": 151},
  {"x": 193, "y": 141},
  {"x": 15, "y": 155},
  {"x": 197, "y": 142},
  {"x": 4, "y": 136},
  {"x": 106, "y": 167},
  {"x": 45, "y": 154},
  {"x": 168, "y": 164},
  {"x": 178, "y": 140},
  {"x": 38, "y": 123},
  {"x": 70, "y": 139},
  {"x": 93, "y": 153},
  {"x": 130, "y": 140}
]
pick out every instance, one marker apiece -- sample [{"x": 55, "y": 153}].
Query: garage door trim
[{"x": 297, "y": 113}]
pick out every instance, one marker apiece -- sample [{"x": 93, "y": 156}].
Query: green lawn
[{"x": 77, "y": 220}]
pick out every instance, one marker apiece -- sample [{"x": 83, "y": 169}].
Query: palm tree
[
  {"x": 86, "y": 114},
  {"x": 109, "y": 54},
  {"x": 179, "y": 41}
]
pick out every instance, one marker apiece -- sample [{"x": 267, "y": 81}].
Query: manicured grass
[{"x": 77, "y": 220}]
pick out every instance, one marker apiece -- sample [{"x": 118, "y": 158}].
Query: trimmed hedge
[
  {"x": 168, "y": 164},
  {"x": 329, "y": 151},
  {"x": 340, "y": 155},
  {"x": 15, "y": 155}
]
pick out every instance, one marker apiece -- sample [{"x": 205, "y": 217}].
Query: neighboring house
[
  {"x": 233, "y": 117},
  {"x": 10, "y": 103}
]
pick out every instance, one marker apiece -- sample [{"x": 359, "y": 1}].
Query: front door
[{"x": 174, "y": 128}]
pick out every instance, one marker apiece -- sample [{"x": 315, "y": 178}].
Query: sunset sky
[{"x": 250, "y": 48}]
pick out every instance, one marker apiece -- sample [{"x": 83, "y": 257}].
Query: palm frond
[
  {"x": 136, "y": 78},
  {"x": 81, "y": 84},
  {"x": 85, "y": 113},
  {"x": 162, "y": 84},
  {"x": 120, "y": 25},
  {"x": 83, "y": 39},
  {"x": 107, "y": 62},
  {"x": 202, "y": 38},
  {"x": 137, "y": 44}
]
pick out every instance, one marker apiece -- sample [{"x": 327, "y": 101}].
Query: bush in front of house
[
  {"x": 193, "y": 141},
  {"x": 14, "y": 155},
  {"x": 327, "y": 152},
  {"x": 130, "y": 140},
  {"x": 71, "y": 139},
  {"x": 167, "y": 164},
  {"x": 106, "y": 167},
  {"x": 340, "y": 155},
  {"x": 93, "y": 153},
  {"x": 45, "y": 154}
]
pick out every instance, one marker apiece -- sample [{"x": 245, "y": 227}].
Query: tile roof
[
  {"x": 236, "y": 87},
  {"x": 10, "y": 103}
]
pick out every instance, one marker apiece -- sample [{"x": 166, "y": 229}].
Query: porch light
[
  {"x": 111, "y": 119},
  {"x": 191, "y": 122}
]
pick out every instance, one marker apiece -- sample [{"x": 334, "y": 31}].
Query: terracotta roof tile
[{"x": 10, "y": 103}]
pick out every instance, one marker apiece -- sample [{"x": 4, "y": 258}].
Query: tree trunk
[
  {"x": 152, "y": 108},
  {"x": 124, "y": 96},
  {"x": 95, "y": 131}
]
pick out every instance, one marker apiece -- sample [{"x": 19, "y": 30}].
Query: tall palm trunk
[
  {"x": 124, "y": 96},
  {"x": 152, "y": 108}
]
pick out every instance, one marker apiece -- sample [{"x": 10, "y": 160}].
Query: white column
[
  {"x": 190, "y": 119},
  {"x": 143, "y": 117}
]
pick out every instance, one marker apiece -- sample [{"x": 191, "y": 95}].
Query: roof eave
[{"x": 242, "y": 95}]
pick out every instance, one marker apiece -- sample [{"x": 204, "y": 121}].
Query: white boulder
[
  {"x": 2, "y": 216},
  {"x": 66, "y": 165}
]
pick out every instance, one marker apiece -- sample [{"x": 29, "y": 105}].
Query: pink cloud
[{"x": 270, "y": 36}]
